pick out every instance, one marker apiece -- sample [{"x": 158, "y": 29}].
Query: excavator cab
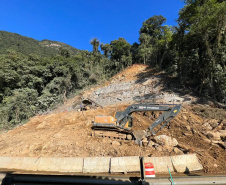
[{"x": 129, "y": 121}]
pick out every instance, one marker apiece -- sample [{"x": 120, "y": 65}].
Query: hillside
[
  {"x": 36, "y": 76},
  {"x": 198, "y": 128},
  {"x": 26, "y": 45}
]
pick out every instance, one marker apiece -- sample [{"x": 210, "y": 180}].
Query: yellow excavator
[{"x": 120, "y": 126}]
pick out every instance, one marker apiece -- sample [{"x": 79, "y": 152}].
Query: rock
[
  {"x": 42, "y": 125},
  {"x": 147, "y": 82},
  {"x": 145, "y": 142},
  {"x": 151, "y": 143},
  {"x": 207, "y": 126},
  {"x": 213, "y": 123},
  {"x": 115, "y": 143},
  {"x": 165, "y": 140},
  {"x": 220, "y": 143},
  {"x": 214, "y": 136},
  {"x": 183, "y": 147},
  {"x": 57, "y": 135},
  {"x": 207, "y": 140},
  {"x": 188, "y": 127},
  {"x": 224, "y": 125},
  {"x": 193, "y": 131},
  {"x": 185, "y": 117},
  {"x": 224, "y": 145},
  {"x": 222, "y": 134},
  {"x": 178, "y": 151},
  {"x": 158, "y": 148},
  {"x": 88, "y": 107}
]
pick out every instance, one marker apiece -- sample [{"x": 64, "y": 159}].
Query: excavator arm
[{"x": 164, "y": 119}]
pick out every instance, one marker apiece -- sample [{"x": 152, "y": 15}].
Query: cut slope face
[
  {"x": 198, "y": 129},
  {"x": 137, "y": 83}
]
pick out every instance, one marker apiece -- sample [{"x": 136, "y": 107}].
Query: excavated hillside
[{"x": 199, "y": 128}]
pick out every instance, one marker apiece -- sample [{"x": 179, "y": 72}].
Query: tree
[
  {"x": 162, "y": 46},
  {"x": 154, "y": 42},
  {"x": 95, "y": 42},
  {"x": 20, "y": 105},
  {"x": 64, "y": 52},
  {"x": 121, "y": 52},
  {"x": 200, "y": 41},
  {"x": 145, "y": 47},
  {"x": 106, "y": 48},
  {"x": 134, "y": 52},
  {"x": 153, "y": 26}
]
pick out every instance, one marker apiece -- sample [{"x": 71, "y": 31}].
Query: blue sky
[{"x": 76, "y": 22}]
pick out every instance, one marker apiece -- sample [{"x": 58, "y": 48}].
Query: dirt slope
[{"x": 198, "y": 129}]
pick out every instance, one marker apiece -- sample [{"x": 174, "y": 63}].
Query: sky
[{"x": 76, "y": 22}]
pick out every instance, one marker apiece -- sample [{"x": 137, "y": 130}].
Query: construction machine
[{"x": 120, "y": 126}]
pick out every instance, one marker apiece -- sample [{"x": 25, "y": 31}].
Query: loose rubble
[{"x": 165, "y": 140}]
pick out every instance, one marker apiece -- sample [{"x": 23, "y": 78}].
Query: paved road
[{"x": 191, "y": 180}]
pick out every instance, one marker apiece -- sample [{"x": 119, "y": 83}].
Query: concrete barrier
[
  {"x": 125, "y": 164},
  {"x": 19, "y": 163},
  {"x": 72, "y": 165},
  {"x": 28, "y": 163},
  {"x": 186, "y": 163},
  {"x": 43, "y": 164},
  {"x": 66, "y": 164},
  {"x": 5, "y": 162},
  {"x": 24, "y": 163},
  {"x": 179, "y": 163},
  {"x": 160, "y": 164},
  {"x": 96, "y": 165}
]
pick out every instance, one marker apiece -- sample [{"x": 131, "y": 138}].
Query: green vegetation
[
  {"x": 194, "y": 51},
  {"x": 200, "y": 42},
  {"x": 25, "y": 45},
  {"x": 35, "y": 76},
  {"x": 30, "y": 84}
]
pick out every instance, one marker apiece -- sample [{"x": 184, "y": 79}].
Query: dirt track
[{"x": 64, "y": 134}]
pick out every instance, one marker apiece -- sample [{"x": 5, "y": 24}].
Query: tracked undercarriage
[{"x": 113, "y": 133}]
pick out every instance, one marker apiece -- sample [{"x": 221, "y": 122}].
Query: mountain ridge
[{"x": 27, "y": 45}]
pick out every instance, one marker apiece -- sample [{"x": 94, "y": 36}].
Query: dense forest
[
  {"x": 45, "y": 48},
  {"x": 35, "y": 76}
]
